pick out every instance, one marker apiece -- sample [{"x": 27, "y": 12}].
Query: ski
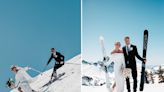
[
  {"x": 50, "y": 82},
  {"x": 105, "y": 60},
  {"x": 45, "y": 89},
  {"x": 145, "y": 41}
]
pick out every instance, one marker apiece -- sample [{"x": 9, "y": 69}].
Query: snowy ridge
[{"x": 70, "y": 82}]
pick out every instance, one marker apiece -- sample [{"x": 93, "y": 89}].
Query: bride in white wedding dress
[{"x": 118, "y": 58}]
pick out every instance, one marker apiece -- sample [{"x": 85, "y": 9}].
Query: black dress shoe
[
  {"x": 134, "y": 90},
  {"x": 129, "y": 90}
]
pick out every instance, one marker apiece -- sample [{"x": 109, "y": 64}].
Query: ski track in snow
[{"x": 70, "y": 82}]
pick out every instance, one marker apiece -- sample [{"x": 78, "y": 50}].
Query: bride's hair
[
  {"x": 117, "y": 43},
  {"x": 114, "y": 50}
]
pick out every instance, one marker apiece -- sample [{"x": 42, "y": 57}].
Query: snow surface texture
[
  {"x": 147, "y": 88},
  {"x": 96, "y": 74},
  {"x": 70, "y": 82}
]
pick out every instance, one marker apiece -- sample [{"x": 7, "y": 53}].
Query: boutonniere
[{"x": 131, "y": 48}]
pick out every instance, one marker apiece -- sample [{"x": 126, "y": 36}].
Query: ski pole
[
  {"x": 44, "y": 69},
  {"x": 36, "y": 70},
  {"x": 73, "y": 63}
]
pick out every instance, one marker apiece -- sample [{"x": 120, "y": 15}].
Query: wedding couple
[{"x": 124, "y": 60}]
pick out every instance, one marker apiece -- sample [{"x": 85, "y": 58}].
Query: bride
[{"x": 118, "y": 58}]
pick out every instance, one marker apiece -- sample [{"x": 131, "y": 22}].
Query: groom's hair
[{"x": 127, "y": 37}]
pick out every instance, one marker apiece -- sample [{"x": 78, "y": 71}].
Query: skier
[
  {"x": 22, "y": 79},
  {"x": 59, "y": 58}
]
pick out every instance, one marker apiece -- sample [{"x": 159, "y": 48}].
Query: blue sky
[
  {"x": 29, "y": 28},
  {"x": 116, "y": 19}
]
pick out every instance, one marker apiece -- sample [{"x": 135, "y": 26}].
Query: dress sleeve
[{"x": 23, "y": 68}]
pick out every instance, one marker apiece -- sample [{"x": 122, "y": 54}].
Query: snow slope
[
  {"x": 93, "y": 71},
  {"x": 70, "y": 82},
  {"x": 147, "y": 88}
]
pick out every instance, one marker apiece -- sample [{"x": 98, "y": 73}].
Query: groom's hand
[{"x": 144, "y": 60}]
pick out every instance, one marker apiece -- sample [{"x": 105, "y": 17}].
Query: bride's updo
[
  {"x": 117, "y": 48},
  {"x": 117, "y": 43}
]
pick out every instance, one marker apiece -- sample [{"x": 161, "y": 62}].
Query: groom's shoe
[{"x": 134, "y": 90}]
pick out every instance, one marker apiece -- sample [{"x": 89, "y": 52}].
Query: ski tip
[
  {"x": 145, "y": 31},
  {"x": 101, "y": 38}
]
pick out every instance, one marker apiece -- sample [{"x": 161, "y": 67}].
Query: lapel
[
  {"x": 130, "y": 48},
  {"x": 124, "y": 48}
]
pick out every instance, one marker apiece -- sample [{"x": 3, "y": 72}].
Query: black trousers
[
  {"x": 57, "y": 66},
  {"x": 134, "y": 75}
]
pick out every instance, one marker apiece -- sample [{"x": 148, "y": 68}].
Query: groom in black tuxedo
[{"x": 130, "y": 52}]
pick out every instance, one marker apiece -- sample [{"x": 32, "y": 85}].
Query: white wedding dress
[
  {"x": 119, "y": 64},
  {"x": 22, "y": 79}
]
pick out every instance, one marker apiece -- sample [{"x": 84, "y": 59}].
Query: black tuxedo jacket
[
  {"x": 58, "y": 59},
  {"x": 130, "y": 60}
]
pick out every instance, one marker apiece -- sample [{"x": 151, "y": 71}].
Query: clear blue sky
[
  {"x": 29, "y": 28},
  {"x": 116, "y": 19}
]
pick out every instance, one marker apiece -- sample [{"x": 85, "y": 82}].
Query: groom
[{"x": 130, "y": 52}]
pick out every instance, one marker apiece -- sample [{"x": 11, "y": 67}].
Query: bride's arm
[{"x": 123, "y": 62}]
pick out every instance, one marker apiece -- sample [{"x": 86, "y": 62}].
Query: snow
[
  {"x": 70, "y": 82},
  {"x": 93, "y": 71},
  {"x": 147, "y": 88},
  {"x": 156, "y": 68}
]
